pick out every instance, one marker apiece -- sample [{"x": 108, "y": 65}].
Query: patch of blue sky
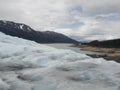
[
  {"x": 109, "y": 18},
  {"x": 72, "y": 26},
  {"x": 76, "y": 8},
  {"x": 112, "y": 18}
]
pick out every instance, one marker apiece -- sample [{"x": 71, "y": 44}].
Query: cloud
[
  {"x": 98, "y": 30},
  {"x": 84, "y": 19},
  {"x": 39, "y": 13},
  {"x": 99, "y": 6}
]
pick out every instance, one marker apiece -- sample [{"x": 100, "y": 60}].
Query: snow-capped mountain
[
  {"x": 26, "y": 32},
  {"x": 27, "y": 65}
]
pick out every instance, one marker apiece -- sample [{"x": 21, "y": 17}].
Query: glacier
[{"x": 27, "y": 65}]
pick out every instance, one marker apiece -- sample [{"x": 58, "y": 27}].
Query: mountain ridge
[
  {"x": 113, "y": 43},
  {"x": 24, "y": 31}
]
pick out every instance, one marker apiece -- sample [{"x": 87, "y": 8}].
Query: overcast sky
[{"x": 80, "y": 19}]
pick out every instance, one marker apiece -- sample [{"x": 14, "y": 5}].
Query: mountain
[
  {"x": 26, "y": 32},
  {"x": 115, "y": 43}
]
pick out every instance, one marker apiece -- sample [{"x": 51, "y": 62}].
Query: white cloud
[
  {"x": 39, "y": 13},
  {"x": 94, "y": 30},
  {"x": 99, "y": 6},
  {"x": 101, "y": 18}
]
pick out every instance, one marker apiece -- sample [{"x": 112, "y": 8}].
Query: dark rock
[{"x": 97, "y": 55}]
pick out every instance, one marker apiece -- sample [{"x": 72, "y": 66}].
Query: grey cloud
[
  {"x": 101, "y": 6},
  {"x": 101, "y": 17}
]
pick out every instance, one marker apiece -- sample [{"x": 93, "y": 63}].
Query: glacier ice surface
[{"x": 27, "y": 65}]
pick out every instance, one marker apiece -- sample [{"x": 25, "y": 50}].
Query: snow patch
[{"x": 21, "y": 26}]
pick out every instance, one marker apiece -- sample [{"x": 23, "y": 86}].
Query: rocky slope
[{"x": 109, "y": 53}]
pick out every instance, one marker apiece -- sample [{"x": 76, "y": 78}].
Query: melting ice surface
[{"x": 26, "y": 65}]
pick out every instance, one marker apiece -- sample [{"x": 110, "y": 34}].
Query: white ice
[{"x": 26, "y": 65}]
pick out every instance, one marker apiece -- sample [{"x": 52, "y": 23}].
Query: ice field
[{"x": 27, "y": 65}]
